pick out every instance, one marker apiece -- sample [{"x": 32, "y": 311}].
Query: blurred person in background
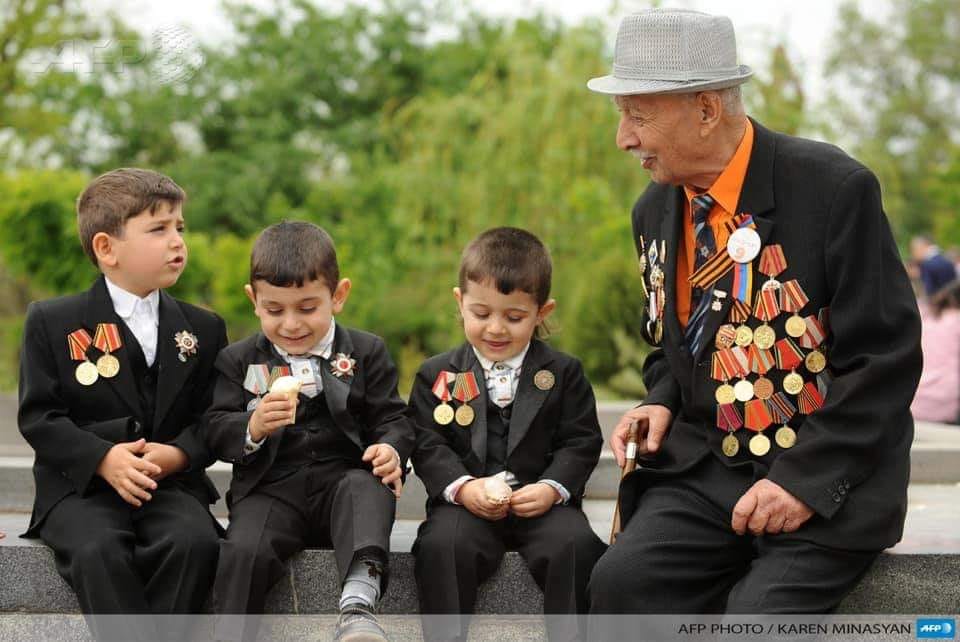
[
  {"x": 938, "y": 395},
  {"x": 936, "y": 270}
]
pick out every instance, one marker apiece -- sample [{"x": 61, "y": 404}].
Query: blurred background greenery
[{"x": 404, "y": 146}]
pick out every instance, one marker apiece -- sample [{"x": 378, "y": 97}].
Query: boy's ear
[
  {"x": 546, "y": 310},
  {"x": 340, "y": 295},
  {"x": 458, "y": 295},
  {"x": 102, "y": 245},
  {"x": 248, "y": 290}
]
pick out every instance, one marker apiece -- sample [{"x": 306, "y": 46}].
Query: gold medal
[
  {"x": 815, "y": 362},
  {"x": 443, "y": 414},
  {"x": 108, "y": 366},
  {"x": 465, "y": 415},
  {"x": 744, "y": 336},
  {"x": 793, "y": 383},
  {"x": 725, "y": 394},
  {"x": 87, "y": 374},
  {"x": 786, "y": 437},
  {"x": 763, "y": 388},
  {"x": 544, "y": 380},
  {"x": 730, "y": 445},
  {"x": 759, "y": 444},
  {"x": 796, "y": 327},
  {"x": 743, "y": 390},
  {"x": 764, "y": 337}
]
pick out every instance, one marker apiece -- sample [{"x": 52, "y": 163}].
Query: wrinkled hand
[
  {"x": 170, "y": 459},
  {"x": 533, "y": 500},
  {"x": 653, "y": 422},
  {"x": 473, "y": 496},
  {"x": 768, "y": 508},
  {"x": 386, "y": 466},
  {"x": 128, "y": 473},
  {"x": 274, "y": 411}
]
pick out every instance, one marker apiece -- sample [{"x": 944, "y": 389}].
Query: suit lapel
[
  {"x": 670, "y": 230},
  {"x": 100, "y": 310},
  {"x": 464, "y": 360},
  {"x": 529, "y": 398},
  {"x": 337, "y": 389},
  {"x": 174, "y": 372}
]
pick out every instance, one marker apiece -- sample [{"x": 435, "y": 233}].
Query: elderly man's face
[{"x": 662, "y": 132}]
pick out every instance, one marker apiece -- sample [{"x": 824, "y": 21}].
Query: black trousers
[
  {"x": 679, "y": 554},
  {"x": 156, "y": 559},
  {"x": 456, "y": 551},
  {"x": 322, "y": 505}
]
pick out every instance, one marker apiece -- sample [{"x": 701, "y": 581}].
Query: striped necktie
[{"x": 706, "y": 246}]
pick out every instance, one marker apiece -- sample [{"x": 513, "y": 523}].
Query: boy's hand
[
  {"x": 128, "y": 473},
  {"x": 170, "y": 458},
  {"x": 473, "y": 496},
  {"x": 274, "y": 411},
  {"x": 533, "y": 500},
  {"x": 386, "y": 466}
]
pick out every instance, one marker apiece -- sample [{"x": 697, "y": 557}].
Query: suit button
[
  {"x": 842, "y": 490},
  {"x": 837, "y": 498},
  {"x": 137, "y": 427}
]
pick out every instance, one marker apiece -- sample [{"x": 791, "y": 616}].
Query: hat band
[{"x": 637, "y": 73}]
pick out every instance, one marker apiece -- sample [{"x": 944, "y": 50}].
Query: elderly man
[{"x": 775, "y": 436}]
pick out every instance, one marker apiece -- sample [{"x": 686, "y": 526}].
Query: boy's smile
[
  {"x": 499, "y": 325},
  {"x": 296, "y": 318}
]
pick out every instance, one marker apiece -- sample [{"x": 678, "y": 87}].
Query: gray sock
[{"x": 362, "y": 585}]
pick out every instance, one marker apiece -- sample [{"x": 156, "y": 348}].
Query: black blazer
[
  {"x": 71, "y": 426},
  {"x": 554, "y": 434},
  {"x": 365, "y": 406},
  {"x": 851, "y": 461}
]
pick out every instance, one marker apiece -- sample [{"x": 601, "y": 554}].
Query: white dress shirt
[{"x": 142, "y": 316}]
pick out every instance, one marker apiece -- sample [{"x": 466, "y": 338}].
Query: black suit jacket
[
  {"x": 365, "y": 406},
  {"x": 71, "y": 426},
  {"x": 851, "y": 461},
  {"x": 554, "y": 434}
]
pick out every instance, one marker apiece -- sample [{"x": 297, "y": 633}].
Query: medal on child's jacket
[
  {"x": 443, "y": 414},
  {"x": 78, "y": 341},
  {"x": 544, "y": 380},
  {"x": 465, "y": 390},
  {"x": 186, "y": 344},
  {"x": 342, "y": 365},
  {"x": 107, "y": 340}
]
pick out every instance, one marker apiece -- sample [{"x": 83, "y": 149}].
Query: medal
[
  {"x": 788, "y": 358},
  {"x": 814, "y": 334},
  {"x": 253, "y": 403},
  {"x": 186, "y": 343},
  {"x": 793, "y": 383},
  {"x": 759, "y": 444},
  {"x": 743, "y": 245},
  {"x": 78, "y": 341},
  {"x": 764, "y": 337},
  {"x": 718, "y": 297},
  {"x": 756, "y": 416},
  {"x": 86, "y": 373},
  {"x": 642, "y": 264},
  {"x": 730, "y": 446},
  {"x": 785, "y": 437},
  {"x": 772, "y": 263},
  {"x": 276, "y": 372},
  {"x": 443, "y": 414},
  {"x": 761, "y": 361},
  {"x": 724, "y": 394},
  {"x": 781, "y": 409},
  {"x": 743, "y": 390},
  {"x": 810, "y": 399},
  {"x": 726, "y": 337},
  {"x": 815, "y": 362},
  {"x": 739, "y": 312},
  {"x": 544, "y": 380},
  {"x": 465, "y": 390},
  {"x": 743, "y": 336},
  {"x": 763, "y": 388},
  {"x": 765, "y": 309},
  {"x": 256, "y": 381},
  {"x": 107, "y": 340},
  {"x": 792, "y": 299},
  {"x": 464, "y": 415}
]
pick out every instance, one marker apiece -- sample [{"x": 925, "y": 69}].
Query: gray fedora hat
[{"x": 673, "y": 51}]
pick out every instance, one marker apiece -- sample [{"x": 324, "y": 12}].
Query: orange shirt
[{"x": 726, "y": 192}]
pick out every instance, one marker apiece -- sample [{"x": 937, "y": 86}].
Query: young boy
[
  {"x": 314, "y": 472},
  {"x": 525, "y": 415},
  {"x": 113, "y": 383}
]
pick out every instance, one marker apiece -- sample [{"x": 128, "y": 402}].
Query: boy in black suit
[
  {"x": 526, "y": 418},
  {"x": 317, "y": 470},
  {"x": 113, "y": 383}
]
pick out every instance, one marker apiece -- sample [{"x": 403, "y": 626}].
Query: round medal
[
  {"x": 744, "y": 336},
  {"x": 544, "y": 380},
  {"x": 815, "y": 362},
  {"x": 764, "y": 337},
  {"x": 87, "y": 374},
  {"x": 253, "y": 403},
  {"x": 730, "y": 445},
  {"x": 443, "y": 414},
  {"x": 465, "y": 415},
  {"x": 108, "y": 366},
  {"x": 786, "y": 437},
  {"x": 763, "y": 388},
  {"x": 725, "y": 394},
  {"x": 793, "y": 383},
  {"x": 796, "y": 327},
  {"x": 771, "y": 284},
  {"x": 759, "y": 444},
  {"x": 743, "y": 245},
  {"x": 743, "y": 390}
]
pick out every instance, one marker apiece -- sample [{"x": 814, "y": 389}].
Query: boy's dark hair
[
  {"x": 512, "y": 258},
  {"x": 112, "y": 198},
  {"x": 291, "y": 253}
]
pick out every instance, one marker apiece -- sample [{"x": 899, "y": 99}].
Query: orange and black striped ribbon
[
  {"x": 739, "y": 312},
  {"x": 107, "y": 337},
  {"x": 772, "y": 261},
  {"x": 79, "y": 341},
  {"x": 809, "y": 399},
  {"x": 781, "y": 408},
  {"x": 766, "y": 307},
  {"x": 792, "y": 296}
]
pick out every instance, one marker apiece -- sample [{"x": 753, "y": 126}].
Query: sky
[{"x": 805, "y": 27}]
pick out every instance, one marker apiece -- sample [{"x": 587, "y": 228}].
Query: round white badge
[{"x": 744, "y": 245}]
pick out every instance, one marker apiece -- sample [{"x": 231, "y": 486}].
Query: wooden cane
[{"x": 629, "y": 465}]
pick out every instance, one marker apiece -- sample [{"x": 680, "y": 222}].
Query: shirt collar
[
  {"x": 125, "y": 303},
  {"x": 322, "y": 348},
  {"x": 513, "y": 362},
  {"x": 726, "y": 189}
]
